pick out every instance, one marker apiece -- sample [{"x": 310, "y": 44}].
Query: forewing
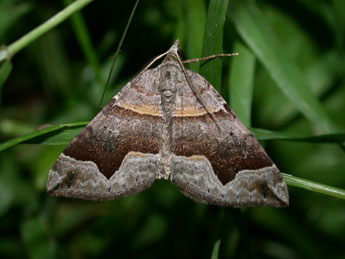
[{"x": 116, "y": 154}]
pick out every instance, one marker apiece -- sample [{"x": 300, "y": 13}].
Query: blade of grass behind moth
[
  {"x": 85, "y": 42},
  {"x": 118, "y": 50},
  {"x": 257, "y": 33},
  {"x": 180, "y": 25},
  {"x": 215, "y": 251},
  {"x": 196, "y": 20},
  {"x": 213, "y": 42},
  {"x": 26, "y": 138},
  {"x": 5, "y": 71},
  {"x": 61, "y": 137},
  {"x": 263, "y": 134},
  {"x": 241, "y": 82}
]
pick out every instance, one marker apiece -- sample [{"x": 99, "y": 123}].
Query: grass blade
[
  {"x": 83, "y": 37},
  {"x": 213, "y": 42},
  {"x": 215, "y": 251},
  {"x": 263, "y": 134},
  {"x": 241, "y": 83},
  {"x": 313, "y": 186},
  {"x": 196, "y": 20},
  {"x": 28, "y": 138},
  {"x": 257, "y": 33}
]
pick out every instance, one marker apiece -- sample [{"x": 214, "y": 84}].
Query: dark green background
[{"x": 54, "y": 80}]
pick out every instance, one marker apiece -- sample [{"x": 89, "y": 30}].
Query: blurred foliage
[{"x": 292, "y": 48}]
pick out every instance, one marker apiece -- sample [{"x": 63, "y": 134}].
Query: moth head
[{"x": 175, "y": 49}]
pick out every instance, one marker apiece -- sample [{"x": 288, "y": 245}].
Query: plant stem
[{"x": 313, "y": 186}]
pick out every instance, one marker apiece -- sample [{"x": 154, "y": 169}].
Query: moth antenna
[
  {"x": 194, "y": 60},
  {"x": 198, "y": 94},
  {"x": 153, "y": 61}
]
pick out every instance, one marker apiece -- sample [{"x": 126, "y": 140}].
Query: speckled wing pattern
[{"x": 163, "y": 126}]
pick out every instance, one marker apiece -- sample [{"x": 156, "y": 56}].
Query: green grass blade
[
  {"x": 85, "y": 42},
  {"x": 257, "y": 33},
  {"x": 241, "y": 82},
  {"x": 263, "y": 134},
  {"x": 213, "y": 42},
  {"x": 196, "y": 20},
  {"x": 59, "y": 137},
  {"x": 313, "y": 186},
  {"x": 29, "y": 138},
  {"x": 215, "y": 251}
]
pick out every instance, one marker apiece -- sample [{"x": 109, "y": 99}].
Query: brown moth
[{"x": 168, "y": 123}]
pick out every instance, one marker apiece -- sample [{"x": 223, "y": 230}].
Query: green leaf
[
  {"x": 196, "y": 20},
  {"x": 61, "y": 137},
  {"x": 213, "y": 42},
  {"x": 257, "y": 33},
  {"x": 215, "y": 251},
  {"x": 263, "y": 134},
  {"x": 40, "y": 135},
  {"x": 241, "y": 82},
  {"x": 83, "y": 36}
]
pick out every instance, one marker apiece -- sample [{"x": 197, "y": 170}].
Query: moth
[{"x": 168, "y": 123}]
